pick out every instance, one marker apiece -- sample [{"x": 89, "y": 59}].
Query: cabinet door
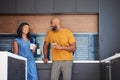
[
  {"x": 105, "y": 69},
  {"x": 61, "y": 6},
  {"x": 44, "y": 6},
  {"x": 86, "y": 71},
  {"x": 44, "y": 71},
  {"x": 16, "y": 69},
  {"x": 115, "y": 69},
  {"x": 7, "y": 6},
  {"x": 25, "y": 6},
  {"x": 87, "y": 5}
]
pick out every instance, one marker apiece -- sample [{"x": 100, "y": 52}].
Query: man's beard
[{"x": 54, "y": 28}]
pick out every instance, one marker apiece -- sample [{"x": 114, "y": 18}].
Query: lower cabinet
[
  {"x": 105, "y": 71},
  {"x": 111, "y": 70},
  {"x": 44, "y": 71},
  {"x": 12, "y": 66},
  {"x": 16, "y": 69},
  {"x": 81, "y": 71},
  {"x": 115, "y": 69},
  {"x": 86, "y": 71}
]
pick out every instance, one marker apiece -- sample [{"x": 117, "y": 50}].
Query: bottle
[{"x": 39, "y": 51}]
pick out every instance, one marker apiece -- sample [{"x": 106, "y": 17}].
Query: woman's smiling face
[{"x": 25, "y": 29}]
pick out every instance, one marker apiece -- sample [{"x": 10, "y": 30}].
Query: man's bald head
[
  {"x": 56, "y": 24},
  {"x": 55, "y": 20}
]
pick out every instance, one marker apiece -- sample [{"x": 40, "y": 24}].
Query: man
[{"x": 62, "y": 44}]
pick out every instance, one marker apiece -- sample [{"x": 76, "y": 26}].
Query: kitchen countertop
[
  {"x": 4, "y": 63},
  {"x": 107, "y": 60},
  {"x": 12, "y": 55},
  {"x": 83, "y": 61}
]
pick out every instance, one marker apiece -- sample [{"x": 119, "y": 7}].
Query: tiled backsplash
[
  {"x": 6, "y": 41},
  {"x": 87, "y": 45}
]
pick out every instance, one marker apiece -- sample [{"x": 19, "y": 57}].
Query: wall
[
  {"x": 41, "y": 23},
  {"x": 109, "y": 26}
]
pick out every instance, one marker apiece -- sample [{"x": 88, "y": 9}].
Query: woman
[{"x": 22, "y": 46}]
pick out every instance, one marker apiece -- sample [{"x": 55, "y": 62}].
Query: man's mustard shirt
[{"x": 63, "y": 38}]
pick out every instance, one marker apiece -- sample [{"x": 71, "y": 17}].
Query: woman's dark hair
[{"x": 19, "y": 32}]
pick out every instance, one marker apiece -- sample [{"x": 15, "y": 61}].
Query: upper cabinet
[
  {"x": 25, "y": 6},
  {"x": 48, "y": 6},
  {"x": 63, "y": 6},
  {"x": 87, "y": 6},
  {"x": 7, "y": 6},
  {"x": 44, "y": 6}
]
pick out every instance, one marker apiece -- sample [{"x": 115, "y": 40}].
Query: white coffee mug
[
  {"x": 53, "y": 45},
  {"x": 32, "y": 46}
]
